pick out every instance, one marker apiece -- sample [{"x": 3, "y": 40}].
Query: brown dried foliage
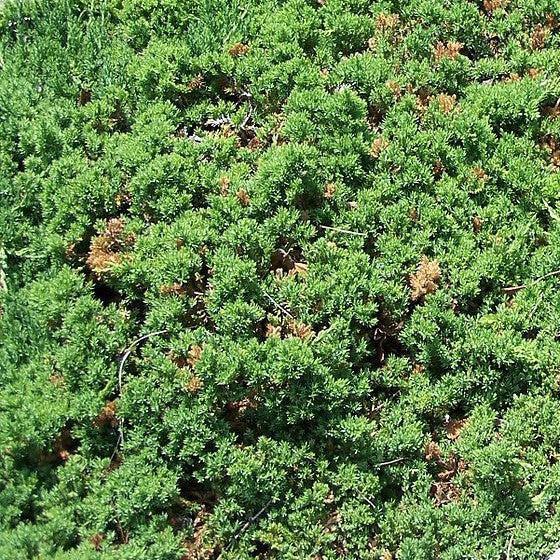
[
  {"x": 446, "y": 102},
  {"x": 426, "y": 278},
  {"x": 107, "y": 416},
  {"x": 106, "y": 249},
  {"x": 300, "y": 330},
  {"x": 477, "y": 224},
  {"x": 453, "y": 428},
  {"x": 243, "y": 197},
  {"x": 196, "y": 83},
  {"x": 238, "y": 49},
  {"x": 194, "y": 354},
  {"x": 330, "y": 190},
  {"x": 383, "y": 22},
  {"x": 175, "y": 289},
  {"x": 493, "y": 5},
  {"x": 378, "y": 146},
  {"x": 449, "y": 50}
]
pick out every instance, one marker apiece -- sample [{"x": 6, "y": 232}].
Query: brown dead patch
[
  {"x": 552, "y": 146},
  {"x": 453, "y": 428},
  {"x": 243, "y": 197},
  {"x": 539, "y": 36},
  {"x": 107, "y": 416},
  {"x": 194, "y": 385},
  {"x": 378, "y": 146},
  {"x": 394, "y": 87},
  {"x": 195, "y": 83},
  {"x": 426, "y": 278},
  {"x": 106, "y": 249},
  {"x": 61, "y": 450},
  {"x": 194, "y": 355},
  {"x": 330, "y": 190},
  {"x": 273, "y": 331},
  {"x": 480, "y": 174},
  {"x": 444, "y": 493},
  {"x": 254, "y": 144},
  {"x": 97, "y": 540},
  {"x": 449, "y": 50},
  {"x": 238, "y": 49},
  {"x": 438, "y": 168},
  {"x": 552, "y": 111},
  {"x": 446, "y": 102},
  {"x": 196, "y": 548},
  {"x": 175, "y": 289},
  {"x": 56, "y": 379},
  {"x": 300, "y": 330},
  {"x": 224, "y": 181},
  {"x": 432, "y": 452},
  {"x": 300, "y": 268},
  {"x": 384, "y": 22},
  {"x": 493, "y": 5},
  {"x": 477, "y": 224}
]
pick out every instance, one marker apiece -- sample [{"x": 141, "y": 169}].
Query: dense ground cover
[{"x": 339, "y": 223}]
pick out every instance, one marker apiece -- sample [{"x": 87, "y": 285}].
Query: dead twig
[
  {"x": 246, "y": 525},
  {"x": 124, "y": 357},
  {"x": 387, "y": 463},
  {"x": 276, "y": 304},
  {"x": 510, "y": 543},
  {"x": 514, "y": 289},
  {"x": 347, "y": 231}
]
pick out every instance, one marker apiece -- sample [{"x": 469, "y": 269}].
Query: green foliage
[{"x": 338, "y": 222}]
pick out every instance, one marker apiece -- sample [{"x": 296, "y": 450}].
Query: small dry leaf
[
  {"x": 446, "y": 102},
  {"x": 444, "y": 493},
  {"x": 194, "y": 384},
  {"x": 330, "y": 190},
  {"x": 477, "y": 224},
  {"x": 492, "y": 5},
  {"x": 425, "y": 280},
  {"x": 300, "y": 330},
  {"x": 378, "y": 146},
  {"x": 107, "y": 416},
  {"x": 238, "y": 49},
  {"x": 273, "y": 331},
  {"x": 448, "y": 50},
  {"x": 196, "y": 83},
  {"x": 175, "y": 289},
  {"x": 224, "y": 182},
  {"x": 194, "y": 354},
  {"x": 534, "y": 72},
  {"x": 453, "y": 428},
  {"x": 243, "y": 197},
  {"x": 105, "y": 249}
]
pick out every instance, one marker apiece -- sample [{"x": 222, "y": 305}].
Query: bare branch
[
  {"x": 124, "y": 357},
  {"x": 347, "y": 231},
  {"x": 513, "y": 289},
  {"x": 274, "y": 302}
]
